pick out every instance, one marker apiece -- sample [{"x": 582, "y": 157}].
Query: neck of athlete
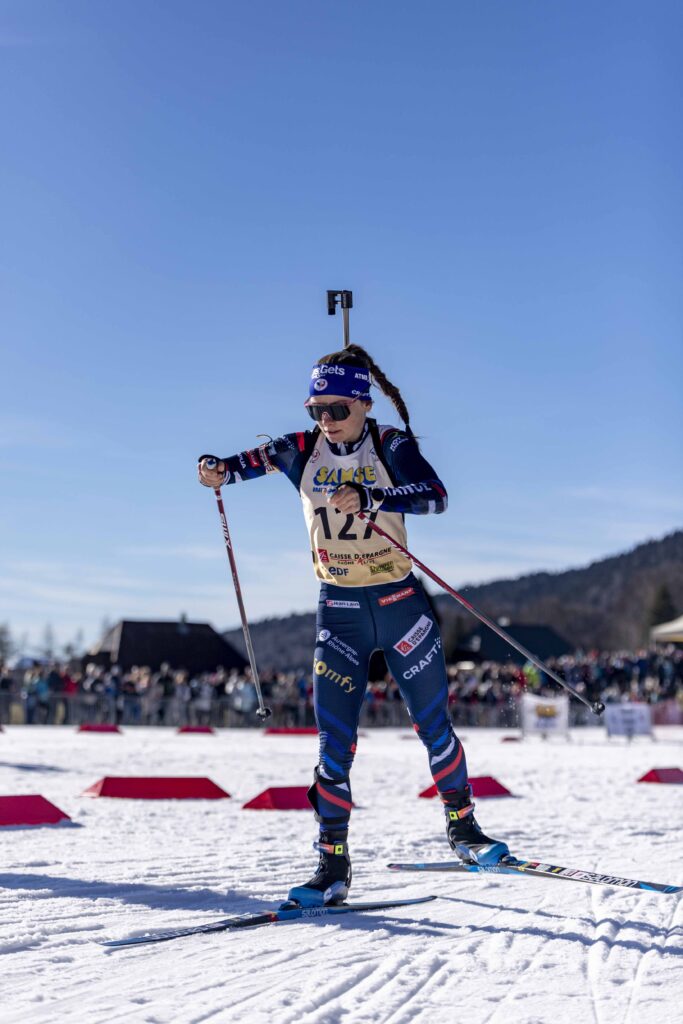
[{"x": 350, "y": 445}]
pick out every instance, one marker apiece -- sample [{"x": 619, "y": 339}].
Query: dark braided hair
[{"x": 356, "y": 355}]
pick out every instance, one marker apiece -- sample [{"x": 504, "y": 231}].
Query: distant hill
[
  {"x": 606, "y": 605},
  {"x": 283, "y": 644}
]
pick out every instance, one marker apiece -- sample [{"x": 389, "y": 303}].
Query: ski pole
[
  {"x": 345, "y": 300},
  {"x": 262, "y": 711},
  {"x": 597, "y": 707}
]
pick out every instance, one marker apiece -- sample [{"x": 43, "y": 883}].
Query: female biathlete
[{"x": 369, "y": 598}]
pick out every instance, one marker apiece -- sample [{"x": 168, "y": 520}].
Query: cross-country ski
[
  {"x": 538, "y": 869},
  {"x": 285, "y": 912}
]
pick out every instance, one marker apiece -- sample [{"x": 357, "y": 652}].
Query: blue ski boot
[
  {"x": 330, "y": 883},
  {"x": 463, "y": 831}
]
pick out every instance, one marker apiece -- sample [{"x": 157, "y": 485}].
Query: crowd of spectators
[
  {"x": 479, "y": 694},
  {"x": 60, "y": 694}
]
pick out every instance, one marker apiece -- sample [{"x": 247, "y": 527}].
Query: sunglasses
[{"x": 335, "y": 410}]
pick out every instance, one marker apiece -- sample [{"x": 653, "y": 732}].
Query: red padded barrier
[
  {"x": 669, "y": 775},
  {"x": 280, "y": 798},
  {"x": 97, "y": 727},
  {"x": 29, "y": 810},
  {"x": 294, "y": 730},
  {"x": 482, "y": 786},
  {"x": 205, "y": 729},
  {"x": 158, "y": 787}
]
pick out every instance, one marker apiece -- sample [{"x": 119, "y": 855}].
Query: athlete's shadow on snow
[
  {"x": 584, "y": 940},
  {"x": 438, "y": 929},
  {"x": 159, "y": 897},
  {"x": 641, "y": 926}
]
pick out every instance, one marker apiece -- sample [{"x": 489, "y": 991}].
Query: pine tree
[
  {"x": 453, "y": 634},
  {"x": 6, "y": 642},
  {"x": 431, "y": 601},
  {"x": 48, "y": 643},
  {"x": 662, "y": 608}
]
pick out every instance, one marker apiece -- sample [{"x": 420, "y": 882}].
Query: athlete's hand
[
  {"x": 346, "y": 500},
  {"x": 211, "y": 471}
]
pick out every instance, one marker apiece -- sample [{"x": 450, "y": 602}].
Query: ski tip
[
  {"x": 398, "y": 904},
  {"x": 409, "y": 901}
]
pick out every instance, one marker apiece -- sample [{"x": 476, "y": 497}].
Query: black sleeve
[{"x": 287, "y": 454}]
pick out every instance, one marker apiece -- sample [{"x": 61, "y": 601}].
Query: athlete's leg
[
  {"x": 412, "y": 646},
  {"x": 411, "y": 640},
  {"x": 345, "y": 639}
]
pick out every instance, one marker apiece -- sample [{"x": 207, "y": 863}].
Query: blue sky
[{"x": 500, "y": 185}]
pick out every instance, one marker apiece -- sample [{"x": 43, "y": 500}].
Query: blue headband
[{"x": 347, "y": 379}]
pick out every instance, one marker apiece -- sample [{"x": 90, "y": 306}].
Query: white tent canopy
[{"x": 668, "y": 632}]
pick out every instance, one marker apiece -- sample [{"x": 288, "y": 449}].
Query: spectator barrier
[{"x": 485, "y": 695}]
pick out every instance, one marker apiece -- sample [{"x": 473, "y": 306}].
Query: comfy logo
[{"x": 320, "y": 668}]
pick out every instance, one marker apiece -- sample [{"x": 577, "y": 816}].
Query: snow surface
[{"x": 490, "y": 950}]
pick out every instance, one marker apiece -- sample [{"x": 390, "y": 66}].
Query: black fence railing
[{"x": 238, "y": 712}]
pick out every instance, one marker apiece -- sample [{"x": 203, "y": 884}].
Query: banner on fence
[
  {"x": 667, "y": 712},
  {"x": 545, "y": 716},
  {"x": 628, "y": 719}
]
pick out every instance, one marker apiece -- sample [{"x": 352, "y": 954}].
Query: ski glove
[
  {"x": 370, "y": 497},
  {"x": 215, "y": 477}
]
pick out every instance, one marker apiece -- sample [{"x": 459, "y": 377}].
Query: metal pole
[
  {"x": 262, "y": 711},
  {"x": 345, "y": 314},
  {"x": 597, "y": 707}
]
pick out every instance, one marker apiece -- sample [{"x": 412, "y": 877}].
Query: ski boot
[
  {"x": 463, "y": 831},
  {"x": 330, "y": 883}
]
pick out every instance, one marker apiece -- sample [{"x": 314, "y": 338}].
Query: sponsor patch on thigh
[
  {"x": 414, "y": 636},
  {"x": 424, "y": 661},
  {"x": 399, "y": 595},
  {"x": 342, "y": 604},
  {"x": 337, "y": 644},
  {"x": 322, "y": 669}
]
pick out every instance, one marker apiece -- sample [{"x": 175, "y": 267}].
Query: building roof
[
  {"x": 542, "y": 641},
  {"x": 195, "y": 646}
]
